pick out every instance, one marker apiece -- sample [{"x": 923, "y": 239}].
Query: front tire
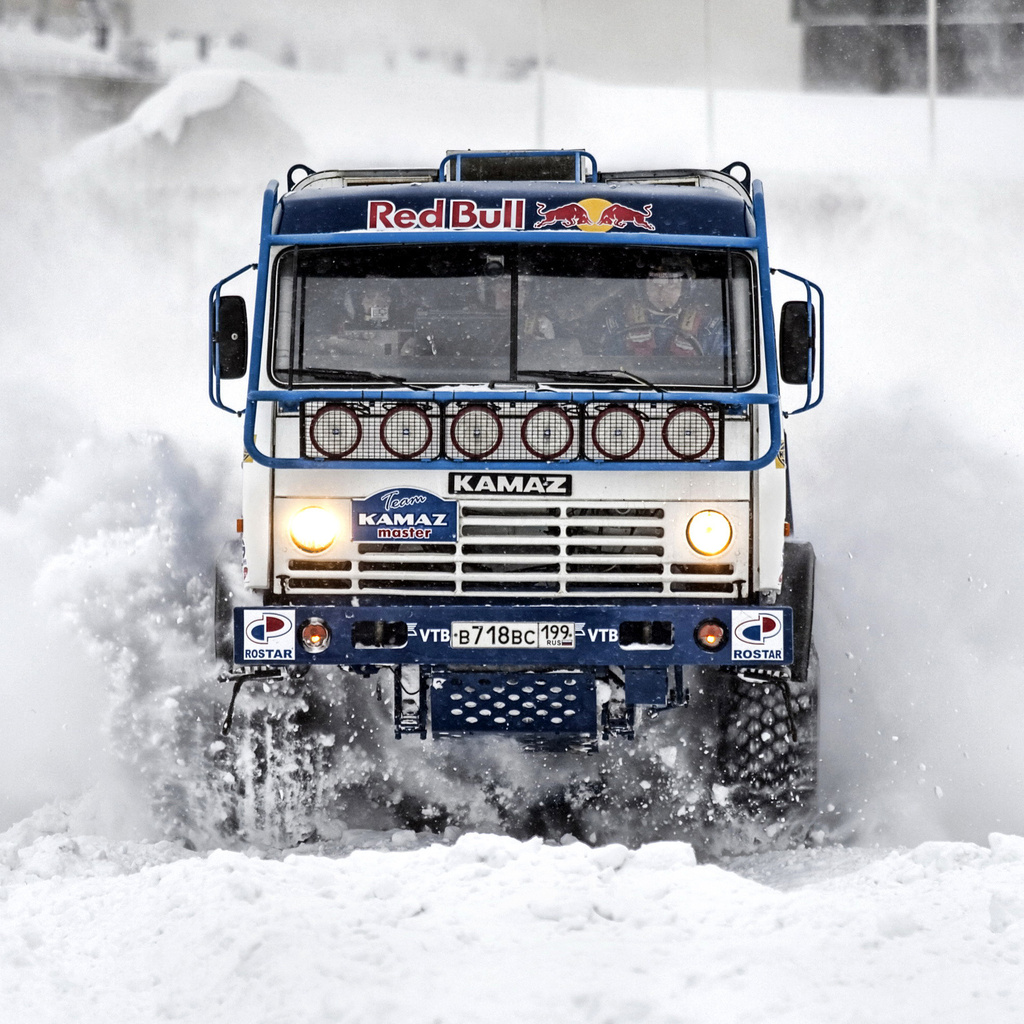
[{"x": 768, "y": 755}]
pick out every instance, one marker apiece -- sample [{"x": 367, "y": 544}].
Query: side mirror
[
  {"x": 796, "y": 342},
  {"x": 232, "y": 337}
]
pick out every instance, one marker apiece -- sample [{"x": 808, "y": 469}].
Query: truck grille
[{"x": 509, "y": 550}]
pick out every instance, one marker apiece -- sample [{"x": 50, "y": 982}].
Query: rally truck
[{"x": 514, "y": 444}]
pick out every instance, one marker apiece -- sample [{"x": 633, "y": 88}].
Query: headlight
[
  {"x": 314, "y": 529},
  {"x": 709, "y": 532}
]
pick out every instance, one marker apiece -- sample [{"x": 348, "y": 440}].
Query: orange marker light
[
  {"x": 710, "y": 635},
  {"x": 315, "y": 636}
]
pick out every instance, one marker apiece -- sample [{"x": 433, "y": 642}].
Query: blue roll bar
[{"x": 269, "y": 239}]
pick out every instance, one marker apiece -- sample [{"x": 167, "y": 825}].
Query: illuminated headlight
[
  {"x": 709, "y": 532},
  {"x": 314, "y": 529},
  {"x": 315, "y": 636}
]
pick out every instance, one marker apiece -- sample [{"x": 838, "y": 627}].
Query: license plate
[{"x": 512, "y": 635}]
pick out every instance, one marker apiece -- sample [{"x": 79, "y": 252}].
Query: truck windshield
[{"x": 453, "y": 314}]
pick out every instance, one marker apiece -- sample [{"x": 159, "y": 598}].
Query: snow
[
  {"x": 165, "y": 112},
  {"x": 489, "y": 928},
  {"x": 121, "y": 483}
]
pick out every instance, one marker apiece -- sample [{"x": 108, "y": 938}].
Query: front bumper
[{"x": 534, "y": 635}]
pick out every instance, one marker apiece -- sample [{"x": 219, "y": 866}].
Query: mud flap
[
  {"x": 226, "y": 595},
  {"x": 798, "y": 563}
]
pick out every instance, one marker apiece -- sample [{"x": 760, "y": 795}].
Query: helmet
[{"x": 673, "y": 267}]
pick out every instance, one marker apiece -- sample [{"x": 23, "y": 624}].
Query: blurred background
[
  {"x": 111, "y": 54},
  {"x": 138, "y": 136}
]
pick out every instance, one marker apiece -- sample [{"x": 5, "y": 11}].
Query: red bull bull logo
[
  {"x": 594, "y": 215},
  {"x": 619, "y": 216},
  {"x": 571, "y": 215}
]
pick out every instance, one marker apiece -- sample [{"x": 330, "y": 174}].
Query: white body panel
[{"x": 754, "y": 502}]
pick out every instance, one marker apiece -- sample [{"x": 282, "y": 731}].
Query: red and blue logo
[
  {"x": 760, "y": 630},
  {"x": 758, "y": 635},
  {"x": 269, "y": 634},
  {"x": 268, "y": 627}
]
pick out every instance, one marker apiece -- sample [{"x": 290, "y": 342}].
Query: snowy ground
[
  {"x": 120, "y": 485},
  {"x": 485, "y": 928}
]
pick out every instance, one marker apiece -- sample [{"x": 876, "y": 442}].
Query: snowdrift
[{"x": 484, "y": 928}]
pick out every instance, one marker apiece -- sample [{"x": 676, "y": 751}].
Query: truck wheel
[
  {"x": 768, "y": 755},
  {"x": 272, "y": 767}
]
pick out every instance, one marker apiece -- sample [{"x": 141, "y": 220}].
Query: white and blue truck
[{"x": 514, "y": 443}]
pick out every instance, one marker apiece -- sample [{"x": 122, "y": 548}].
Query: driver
[{"x": 668, "y": 317}]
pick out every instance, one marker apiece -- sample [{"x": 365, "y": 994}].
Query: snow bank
[
  {"x": 489, "y": 928},
  {"x": 166, "y": 112}
]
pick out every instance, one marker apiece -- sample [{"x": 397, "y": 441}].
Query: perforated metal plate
[{"x": 551, "y": 703}]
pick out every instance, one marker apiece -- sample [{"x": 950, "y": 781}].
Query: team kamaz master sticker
[{"x": 404, "y": 514}]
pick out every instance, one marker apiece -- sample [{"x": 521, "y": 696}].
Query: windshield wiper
[
  {"x": 618, "y": 377},
  {"x": 329, "y": 373}
]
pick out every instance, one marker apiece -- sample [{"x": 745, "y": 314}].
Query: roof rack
[
  {"x": 726, "y": 180},
  {"x": 523, "y": 165},
  {"x": 345, "y": 179}
]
